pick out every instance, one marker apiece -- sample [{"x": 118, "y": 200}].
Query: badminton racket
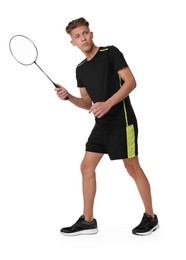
[{"x": 25, "y": 52}]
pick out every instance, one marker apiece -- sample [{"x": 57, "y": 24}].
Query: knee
[
  {"x": 86, "y": 170},
  {"x": 131, "y": 169},
  {"x": 83, "y": 167}
]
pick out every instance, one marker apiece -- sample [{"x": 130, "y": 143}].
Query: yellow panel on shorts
[{"x": 130, "y": 141}]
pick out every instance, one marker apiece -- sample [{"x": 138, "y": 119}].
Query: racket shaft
[{"x": 49, "y": 78}]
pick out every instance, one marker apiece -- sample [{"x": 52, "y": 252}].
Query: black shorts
[{"x": 118, "y": 143}]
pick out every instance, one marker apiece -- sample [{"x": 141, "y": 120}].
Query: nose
[{"x": 83, "y": 38}]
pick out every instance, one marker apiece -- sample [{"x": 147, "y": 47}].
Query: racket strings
[{"x": 23, "y": 49}]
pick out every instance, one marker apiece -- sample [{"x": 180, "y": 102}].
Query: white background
[{"x": 42, "y": 138}]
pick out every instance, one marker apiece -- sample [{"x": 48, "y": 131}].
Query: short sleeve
[
  {"x": 116, "y": 58},
  {"x": 79, "y": 82}
]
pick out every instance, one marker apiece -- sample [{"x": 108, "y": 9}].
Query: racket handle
[{"x": 59, "y": 87}]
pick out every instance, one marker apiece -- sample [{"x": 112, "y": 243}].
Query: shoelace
[{"x": 144, "y": 222}]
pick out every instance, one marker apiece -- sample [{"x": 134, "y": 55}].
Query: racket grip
[{"x": 59, "y": 87}]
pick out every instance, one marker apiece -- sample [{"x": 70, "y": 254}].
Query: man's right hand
[{"x": 62, "y": 92}]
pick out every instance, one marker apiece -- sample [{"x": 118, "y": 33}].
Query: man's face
[{"x": 82, "y": 38}]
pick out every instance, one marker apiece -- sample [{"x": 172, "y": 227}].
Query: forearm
[
  {"x": 99, "y": 109},
  {"x": 122, "y": 93},
  {"x": 83, "y": 102},
  {"x": 80, "y": 102}
]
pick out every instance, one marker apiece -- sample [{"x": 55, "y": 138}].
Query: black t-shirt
[{"x": 100, "y": 78}]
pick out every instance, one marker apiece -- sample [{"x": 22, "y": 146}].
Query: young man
[{"x": 105, "y": 82}]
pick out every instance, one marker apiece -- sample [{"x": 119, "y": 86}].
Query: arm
[
  {"x": 84, "y": 101},
  {"x": 101, "y": 108},
  {"x": 128, "y": 86}
]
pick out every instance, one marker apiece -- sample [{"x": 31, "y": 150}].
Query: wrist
[
  {"x": 109, "y": 103},
  {"x": 68, "y": 96}
]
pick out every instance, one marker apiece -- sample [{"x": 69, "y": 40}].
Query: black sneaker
[
  {"x": 147, "y": 226},
  {"x": 81, "y": 227}
]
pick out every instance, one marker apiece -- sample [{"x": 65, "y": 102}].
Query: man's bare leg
[
  {"x": 134, "y": 169},
  {"x": 88, "y": 167}
]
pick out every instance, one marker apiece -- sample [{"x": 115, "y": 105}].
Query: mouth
[{"x": 85, "y": 44}]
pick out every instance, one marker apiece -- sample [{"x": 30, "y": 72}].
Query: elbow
[
  {"x": 88, "y": 106},
  {"x": 133, "y": 84}
]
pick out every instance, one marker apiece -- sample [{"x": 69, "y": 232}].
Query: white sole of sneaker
[
  {"x": 83, "y": 232},
  {"x": 149, "y": 232}
]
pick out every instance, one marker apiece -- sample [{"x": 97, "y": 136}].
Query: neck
[{"x": 91, "y": 53}]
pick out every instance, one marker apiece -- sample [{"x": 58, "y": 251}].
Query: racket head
[{"x": 23, "y": 49}]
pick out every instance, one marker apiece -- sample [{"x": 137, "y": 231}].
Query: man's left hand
[{"x": 99, "y": 109}]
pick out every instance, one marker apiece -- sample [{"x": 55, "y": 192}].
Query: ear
[
  {"x": 92, "y": 35},
  {"x": 72, "y": 42}
]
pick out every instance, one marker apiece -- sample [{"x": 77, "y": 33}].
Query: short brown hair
[{"x": 76, "y": 23}]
